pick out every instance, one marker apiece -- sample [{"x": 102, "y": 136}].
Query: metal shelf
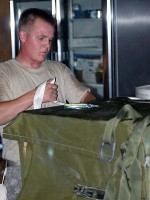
[
  {"x": 91, "y": 42},
  {"x": 85, "y": 37},
  {"x": 84, "y": 19}
]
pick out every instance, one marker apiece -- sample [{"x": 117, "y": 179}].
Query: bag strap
[
  {"x": 39, "y": 94},
  {"x": 109, "y": 137},
  {"x": 4, "y": 173},
  {"x": 129, "y": 166},
  {"x": 146, "y": 144},
  {"x": 132, "y": 163}
]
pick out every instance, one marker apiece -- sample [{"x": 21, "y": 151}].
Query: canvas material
[
  {"x": 3, "y": 190},
  {"x": 132, "y": 167},
  {"x": 63, "y": 152}
]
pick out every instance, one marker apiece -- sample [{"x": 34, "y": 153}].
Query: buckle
[
  {"x": 106, "y": 149},
  {"x": 89, "y": 192}
]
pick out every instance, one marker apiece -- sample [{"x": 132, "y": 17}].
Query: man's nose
[{"x": 47, "y": 44}]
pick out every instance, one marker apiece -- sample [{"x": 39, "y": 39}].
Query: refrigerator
[
  {"x": 104, "y": 42},
  {"x": 85, "y": 43},
  {"x": 119, "y": 37},
  {"x": 59, "y": 47},
  {"x": 126, "y": 44}
]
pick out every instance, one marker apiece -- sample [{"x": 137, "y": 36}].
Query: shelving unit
[{"x": 85, "y": 42}]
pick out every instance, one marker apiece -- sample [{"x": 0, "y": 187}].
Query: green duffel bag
[{"x": 72, "y": 154}]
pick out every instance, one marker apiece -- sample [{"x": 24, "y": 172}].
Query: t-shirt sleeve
[
  {"x": 74, "y": 89},
  {"x": 5, "y": 86}
]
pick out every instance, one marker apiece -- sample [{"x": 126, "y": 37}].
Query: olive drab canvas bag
[
  {"x": 69, "y": 156},
  {"x": 75, "y": 154}
]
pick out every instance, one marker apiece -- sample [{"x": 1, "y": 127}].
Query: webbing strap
[
  {"x": 129, "y": 165},
  {"x": 147, "y": 182},
  {"x": 39, "y": 94},
  {"x": 146, "y": 143},
  {"x": 134, "y": 160},
  {"x": 109, "y": 137},
  {"x": 126, "y": 112}
]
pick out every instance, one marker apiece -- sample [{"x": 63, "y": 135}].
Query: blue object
[
  {"x": 1, "y": 146},
  {"x": 76, "y": 11}
]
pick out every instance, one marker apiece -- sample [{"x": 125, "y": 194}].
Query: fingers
[
  {"x": 50, "y": 93},
  {"x": 52, "y": 88}
]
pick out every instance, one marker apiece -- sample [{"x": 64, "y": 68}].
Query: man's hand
[{"x": 50, "y": 93}]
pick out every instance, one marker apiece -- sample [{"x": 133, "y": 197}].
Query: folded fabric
[{"x": 3, "y": 190}]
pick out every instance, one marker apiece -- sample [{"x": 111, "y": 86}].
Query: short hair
[{"x": 29, "y": 16}]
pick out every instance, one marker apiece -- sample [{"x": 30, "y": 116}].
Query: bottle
[{"x": 76, "y": 11}]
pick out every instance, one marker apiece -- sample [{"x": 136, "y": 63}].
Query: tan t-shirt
[{"x": 16, "y": 80}]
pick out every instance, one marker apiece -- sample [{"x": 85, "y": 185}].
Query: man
[{"x": 20, "y": 77}]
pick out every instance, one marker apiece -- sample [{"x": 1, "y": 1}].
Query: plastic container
[
  {"x": 93, "y": 13},
  {"x": 143, "y": 92}
]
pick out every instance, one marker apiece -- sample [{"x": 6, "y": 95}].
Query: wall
[{"x": 5, "y": 35}]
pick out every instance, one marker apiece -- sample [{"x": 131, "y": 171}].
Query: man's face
[{"x": 36, "y": 44}]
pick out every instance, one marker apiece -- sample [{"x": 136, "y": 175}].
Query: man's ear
[{"x": 22, "y": 35}]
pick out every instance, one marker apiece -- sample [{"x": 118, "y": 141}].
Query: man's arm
[
  {"x": 10, "y": 109},
  {"x": 88, "y": 97}
]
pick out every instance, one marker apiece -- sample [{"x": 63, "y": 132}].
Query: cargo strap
[
  {"x": 108, "y": 146},
  {"x": 133, "y": 166},
  {"x": 39, "y": 94},
  {"x": 146, "y": 143},
  {"x": 89, "y": 192}
]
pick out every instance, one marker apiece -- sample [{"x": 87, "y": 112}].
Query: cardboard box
[{"x": 89, "y": 70}]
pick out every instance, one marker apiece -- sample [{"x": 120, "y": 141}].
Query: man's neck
[{"x": 27, "y": 63}]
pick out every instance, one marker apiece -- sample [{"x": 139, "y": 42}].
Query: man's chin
[{"x": 41, "y": 59}]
